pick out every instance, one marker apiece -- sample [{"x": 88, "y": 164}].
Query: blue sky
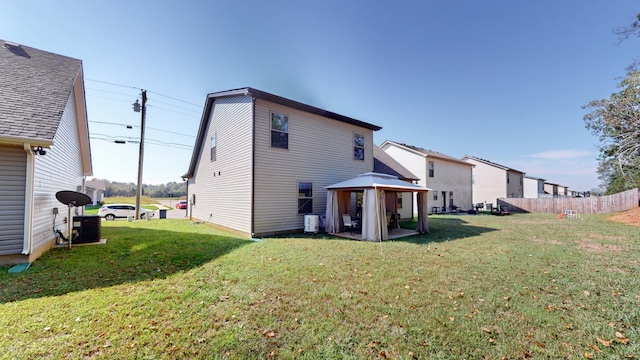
[{"x": 500, "y": 80}]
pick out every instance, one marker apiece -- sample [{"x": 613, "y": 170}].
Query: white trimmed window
[
  {"x": 279, "y": 131},
  {"x": 305, "y": 198},
  {"x": 358, "y": 147}
]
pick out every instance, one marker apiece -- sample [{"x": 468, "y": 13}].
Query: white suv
[{"x": 112, "y": 211}]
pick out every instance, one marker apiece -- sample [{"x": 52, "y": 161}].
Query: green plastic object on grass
[{"x": 19, "y": 268}]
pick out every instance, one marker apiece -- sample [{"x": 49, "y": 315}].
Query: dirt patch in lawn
[
  {"x": 629, "y": 217},
  {"x": 586, "y": 244}
]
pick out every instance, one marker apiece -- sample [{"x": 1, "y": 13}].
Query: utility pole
[{"x": 136, "y": 108}]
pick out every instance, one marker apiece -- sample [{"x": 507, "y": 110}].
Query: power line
[
  {"x": 113, "y": 84},
  {"x": 114, "y": 139},
  {"x": 173, "y": 98},
  {"x": 137, "y": 126},
  {"x": 179, "y": 107},
  {"x": 138, "y": 88}
]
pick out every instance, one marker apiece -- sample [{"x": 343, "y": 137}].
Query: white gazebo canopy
[{"x": 374, "y": 212}]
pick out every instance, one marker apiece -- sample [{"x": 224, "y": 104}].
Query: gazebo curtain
[
  {"x": 375, "y": 205},
  {"x": 423, "y": 223},
  {"x": 338, "y": 203},
  {"x": 391, "y": 201},
  {"x": 332, "y": 217},
  {"x": 382, "y": 215},
  {"x": 370, "y": 231}
]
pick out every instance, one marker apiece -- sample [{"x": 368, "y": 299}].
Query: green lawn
[{"x": 478, "y": 287}]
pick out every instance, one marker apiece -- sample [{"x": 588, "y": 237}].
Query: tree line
[
  {"x": 170, "y": 189},
  {"x": 616, "y": 122}
]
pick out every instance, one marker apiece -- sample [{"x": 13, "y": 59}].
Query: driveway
[{"x": 174, "y": 213}]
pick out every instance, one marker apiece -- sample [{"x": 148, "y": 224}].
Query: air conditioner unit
[{"x": 311, "y": 224}]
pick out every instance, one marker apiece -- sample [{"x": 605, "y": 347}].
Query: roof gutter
[{"x": 17, "y": 140}]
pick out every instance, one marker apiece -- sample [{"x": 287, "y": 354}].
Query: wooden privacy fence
[{"x": 588, "y": 205}]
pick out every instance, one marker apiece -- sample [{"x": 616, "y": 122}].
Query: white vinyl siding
[
  {"x": 514, "y": 186},
  {"x": 12, "y": 196},
  {"x": 223, "y": 187},
  {"x": 418, "y": 166},
  {"x": 451, "y": 177},
  {"x": 60, "y": 169},
  {"x": 320, "y": 151},
  {"x": 448, "y": 176},
  {"x": 490, "y": 182}
]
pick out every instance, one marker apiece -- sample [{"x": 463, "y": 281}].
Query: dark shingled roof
[
  {"x": 491, "y": 163},
  {"x": 34, "y": 88},
  {"x": 383, "y": 163},
  {"x": 428, "y": 153}
]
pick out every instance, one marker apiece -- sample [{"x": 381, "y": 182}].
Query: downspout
[
  {"x": 253, "y": 163},
  {"x": 28, "y": 200},
  {"x": 84, "y": 191}
]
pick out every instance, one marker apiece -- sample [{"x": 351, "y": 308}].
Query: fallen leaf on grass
[
  {"x": 540, "y": 345},
  {"x": 604, "y": 342},
  {"x": 588, "y": 355},
  {"x": 595, "y": 347},
  {"x": 621, "y": 338}
]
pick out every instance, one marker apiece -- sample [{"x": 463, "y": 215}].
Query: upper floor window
[
  {"x": 213, "y": 147},
  {"x": 305, "y": 198},
  {"x": 431, "y": 168},
  {"x": 279, "y": 131},
  {"x": 358, "y": 147}
]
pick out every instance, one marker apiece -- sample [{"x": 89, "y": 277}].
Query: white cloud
[
  {"x": 561, "y": 154},
  {"x": 577, "y": 173}
]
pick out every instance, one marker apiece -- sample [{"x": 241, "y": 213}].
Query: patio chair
[{"x": 348, "y": 222}]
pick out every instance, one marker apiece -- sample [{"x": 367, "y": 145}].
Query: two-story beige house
[
  {"x": 448, "y": 177},
  {"x": 492, "y": 181},
  {"x": 261, "y": 161}
]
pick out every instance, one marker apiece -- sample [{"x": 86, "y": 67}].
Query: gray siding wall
[
  {"x": 59, "y": 169},
  {"x": 13, "y": 173},
  {"x": 222, "y": 188},
  {"x": 320, "y": 151}
]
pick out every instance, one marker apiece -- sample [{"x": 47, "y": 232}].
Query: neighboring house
[
  {"x": 95, "y": 189},
  {"x": 492, "y": 181},
  {"x": 533, "y": 187},
  {"x": 383, "y": 163},
  {"x": 44, "y": 147},
  {"x": 555, "y": 190},
  {"x": 551, "y": 189},
  {"x": 261, "y": 161},
  {"x": 448, "y": 177}
]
